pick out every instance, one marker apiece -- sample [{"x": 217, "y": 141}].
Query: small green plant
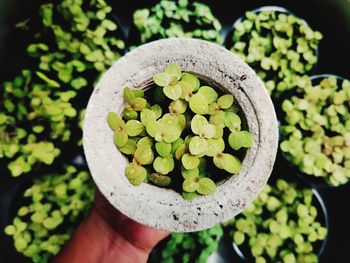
[
  {"x": 187, "y": 138},
  {"x": 56, "y": 204},
  {"x": 179, "y": 18},
  {"x": 32, "y": 122},
  {"x": 280, "y": 47},
  {"x": 281, "y": 225},
  {"x": 316, "y": 130},
  {"x": 188, "y": 247},
  {"x": 73, "y": 45}
]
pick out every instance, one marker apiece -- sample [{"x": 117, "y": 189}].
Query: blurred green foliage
[
  {"x": 279, "y": 46},
  {"x": 180, "y": 18},
  {"x": 193, "y": 247},
  {"x": 72, "y": 45},
  {"x": 316, "y": 130},
  {"x": 281, "y": 225},
  {"x": 55, "y": 205}
]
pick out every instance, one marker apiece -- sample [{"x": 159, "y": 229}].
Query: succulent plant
[
  {"x": 181, "y": 18},
  {"x": 75, "y": 43},
  {"x": 281, "y": 225},
  {"x": 56, "y": 204},
  {"x": 184, "y": 134},
  {"x": 279, "y": 46},
  {"x": 188, "y": 247},
  {"x": 316, "y": 130}
]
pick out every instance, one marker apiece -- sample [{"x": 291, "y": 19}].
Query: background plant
[
  {"x": 316, "y": 130},
  {"x": 280, "y": 47},
  {"x": 55, "y": 203},
  {"x": 74, "y": 43},
  {"x": 180, "y": 18},
  {"x": 193, "y": 247},
  {"x": 281, "y": 225}
]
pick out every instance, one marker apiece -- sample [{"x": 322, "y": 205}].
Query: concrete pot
[{"x": 163, "y": 208}]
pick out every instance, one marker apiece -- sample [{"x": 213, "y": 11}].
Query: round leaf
[
  {"x": 225, "y": 101},
  {"x": 163, "y": 165},
  {"x": 199, "y": 104},
  {"x": 120, "y": 138},
  {"x": 189, "y": 161},
  {"x": 134, "y": 128},
  {"x": 206, "y": 186},
  {"x": 209, "y": 93},
  {"x": 173, "y": 92}
]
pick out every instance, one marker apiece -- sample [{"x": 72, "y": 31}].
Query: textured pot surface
[{"x": 164, "y": 208}]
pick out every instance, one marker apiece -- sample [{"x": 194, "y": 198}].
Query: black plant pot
[{"x": 243, "y": 251}]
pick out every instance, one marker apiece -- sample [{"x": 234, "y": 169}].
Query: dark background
[{"x": 331, "y": 18}]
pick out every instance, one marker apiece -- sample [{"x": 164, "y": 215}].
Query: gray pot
[{"x": 164, "y": 208}]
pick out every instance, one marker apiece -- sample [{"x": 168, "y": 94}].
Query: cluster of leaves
[
  {"x": 184, "y": 133},
  {"x": 316, "y": 130},
  {"x": 281, "y": 225},
  {"x": 38, "y": 114},
  {"x": 179, "y": 18},
  {"x": 193, "y": 247},
  {"x": 56, "y": 203},
  {"x": 29, "y": 116},
  {"x": 280, "y": 47}
]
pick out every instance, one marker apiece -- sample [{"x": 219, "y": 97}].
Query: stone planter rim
[{"x": 163, "y": 208}]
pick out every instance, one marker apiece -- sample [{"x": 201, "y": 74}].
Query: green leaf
[
  {"x": 144, "y": 154},
  {"x": 206, "y": 186},
  {"x": 232, "y": 121},
  {"x": 52, "y": 83},
  {"x": 120, "y": 138},
  {"x": 189, "y": 173},
  {"x": 115, "y": 122},
  {"x": 231, "y": 163},
  {"x": 215, "y": 146},
  {"x": 173, "y": 92},
  {"x": 162, "y": 79},
  {"x": 136, "y": 174},
  {"x": 226, "y": 101},
  {"x": 146, "y": 116},
  {"x": 163, "y": 165},
  {"x": 190, "y": 184},
  {"x": 240, "y": 139},
  {"x": 138, "y": 104},
  {"x": 192, "y": 80},
  {"x": 189, "y": 161},
  {"x": 163, "y": 148},
  {"x": 134, "y": 128},
  {"x": 189, "y": 196},
  {"x": 209, "y": 93},
  {"x": 160, "y": 180},
  {"x": 199, "y": 104},
  {"x": 197, "y": 122},
  {"x": 129, "y": 148},
  {"x": 198, "y": 145},
  {"x": 174, "y": 71},
  {"x": 207, "y": 131}
]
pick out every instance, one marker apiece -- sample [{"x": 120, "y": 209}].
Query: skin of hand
[{"x": 107, "y": 235}]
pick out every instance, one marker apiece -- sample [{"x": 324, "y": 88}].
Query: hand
[{"x": 107, "y": 235}]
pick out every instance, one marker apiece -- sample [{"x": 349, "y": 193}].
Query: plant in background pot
[
  {"x": 279, "y": 46},
  {"x": 282, "y": 225},
  {"x": 51, "y": 209},
  {"x": 180, "y": 18},
  {"x": 73, "y": 44},
  {"x": 316, "y": 129},
  {"x": 193, "y": 247}
]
